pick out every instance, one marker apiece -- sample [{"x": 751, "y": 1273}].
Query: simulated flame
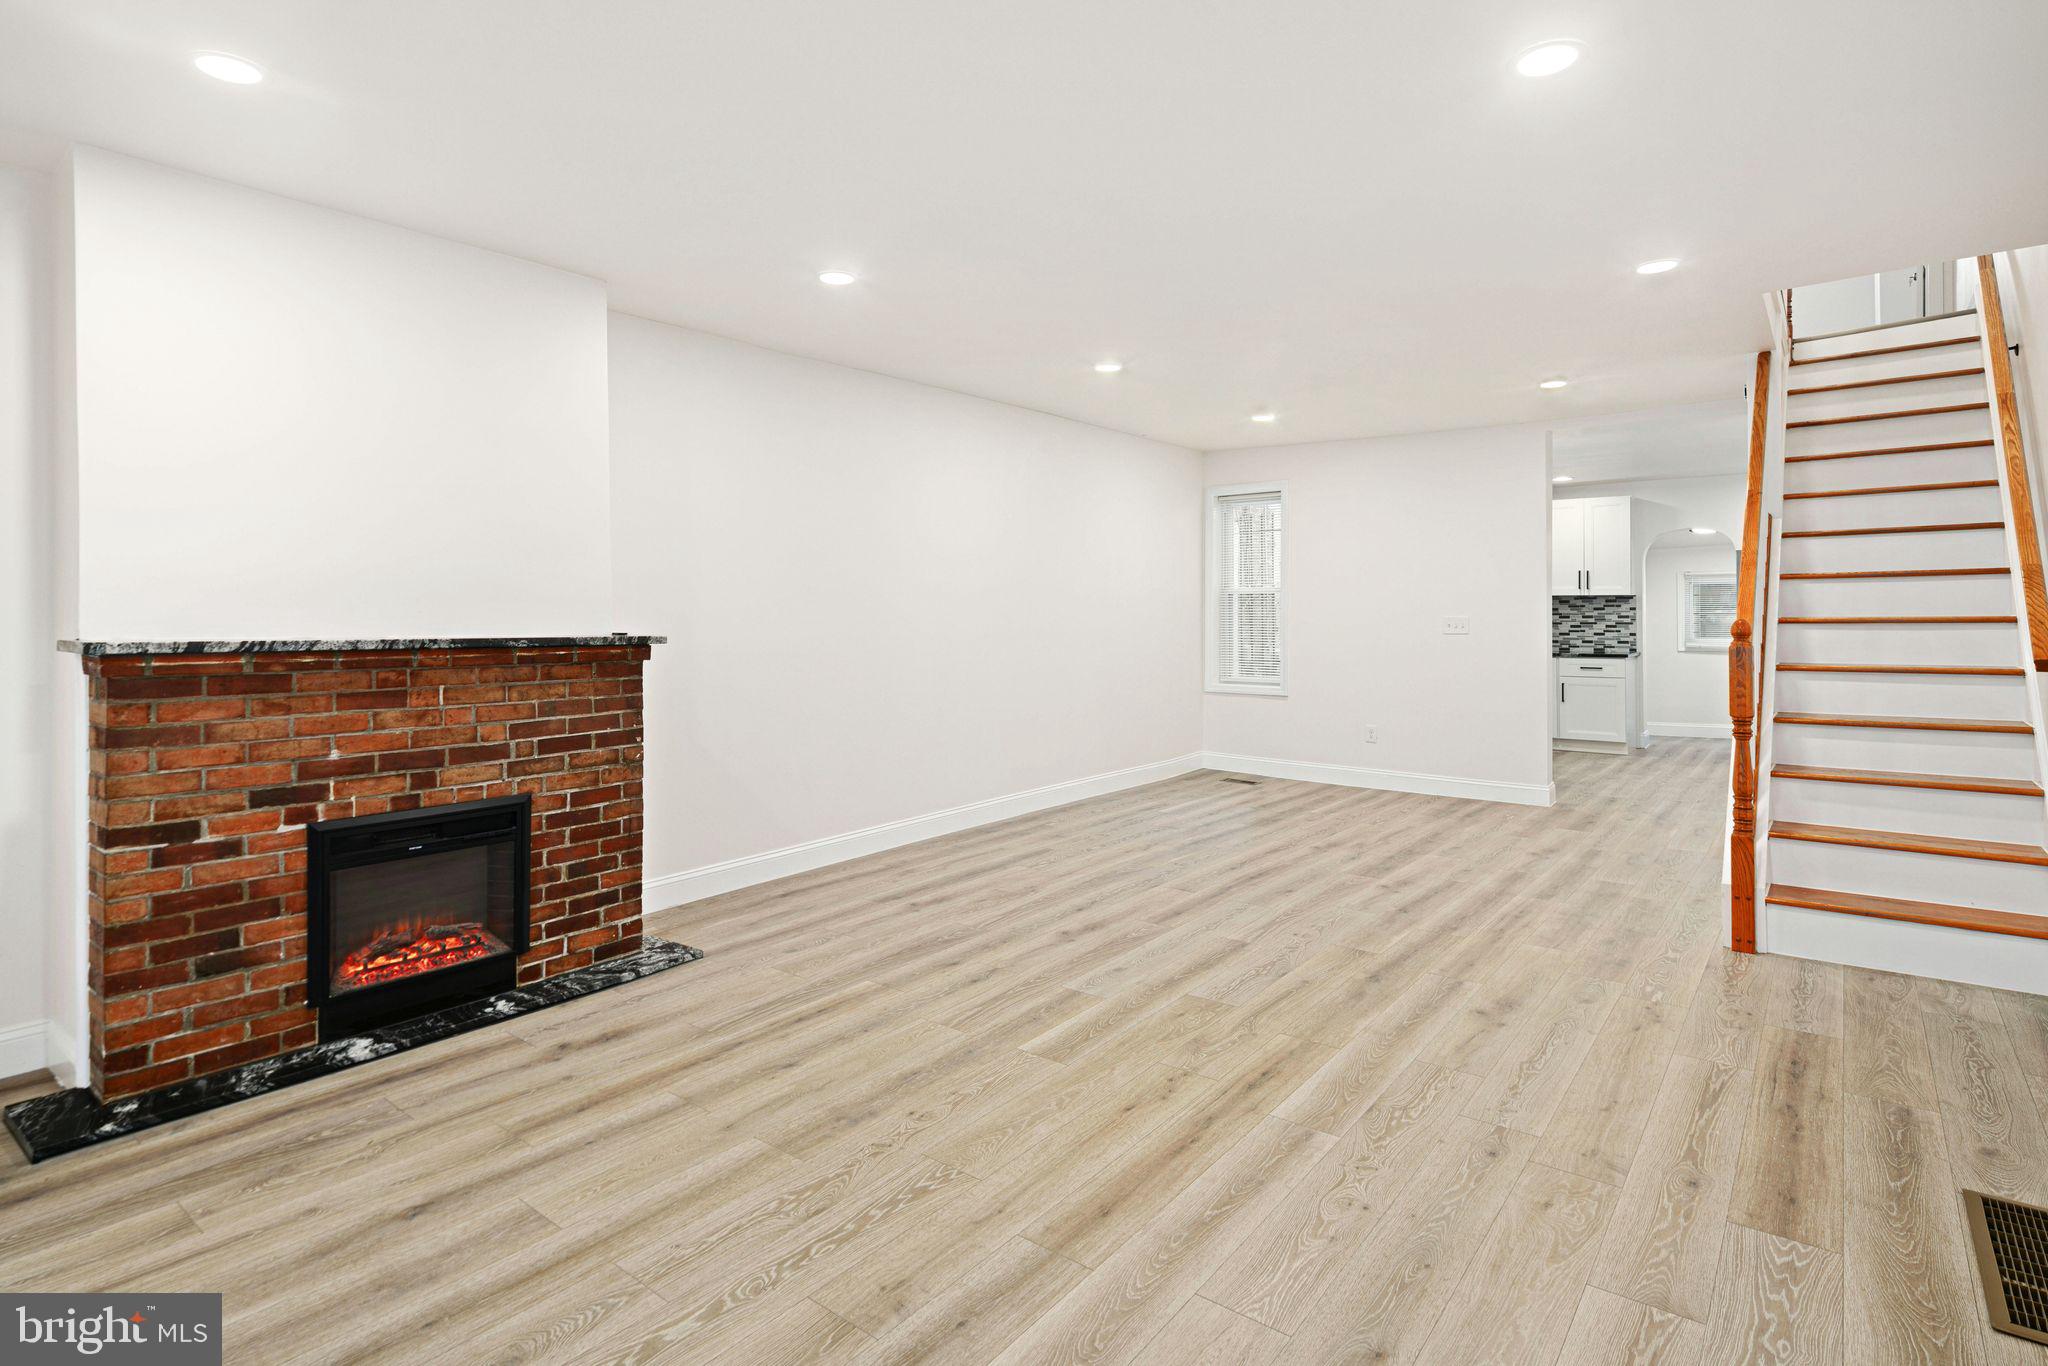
[{"x": 408, "y": 950}]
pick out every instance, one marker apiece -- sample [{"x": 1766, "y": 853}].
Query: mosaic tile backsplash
[{"x": 1594, "y": 627}]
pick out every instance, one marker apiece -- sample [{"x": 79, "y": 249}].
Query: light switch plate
[{"x": 1457, "y": 626}]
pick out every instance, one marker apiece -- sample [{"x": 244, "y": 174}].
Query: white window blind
[
  {"x": 1247, "y": 604},
  {"x": 1707, "y": 611}
]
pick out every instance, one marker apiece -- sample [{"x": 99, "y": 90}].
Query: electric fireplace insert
[{"x": 415, "y": 910}]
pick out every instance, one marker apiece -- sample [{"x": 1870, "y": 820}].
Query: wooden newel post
[
  {"x": 1742, "y": 835},
  {"x": 1743, "y": 685}
]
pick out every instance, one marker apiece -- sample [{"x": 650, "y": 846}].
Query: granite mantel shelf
[{"x": 111, "y": 649}]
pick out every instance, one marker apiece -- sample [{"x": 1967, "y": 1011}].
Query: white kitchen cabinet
[
  {"x": 1592, "y": 709},
  {"x": 1568, "y": 546},
  {"x": 1590, "y": 548},
  {"x": 1608, "y": 553},
  {"x": 1594, "y": 703}
]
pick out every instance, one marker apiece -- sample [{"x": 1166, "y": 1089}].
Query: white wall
[
  {"x": 1675, "y": 688},
  {"x": 1685, "y": 692},
  {"x": 1385, "y": 538},
  {"x": 296, "y": 422},
  {"x": 1837, "y": 306},
  {"x": 884, "y": 601},
  {"x": 29, "y": 826}
]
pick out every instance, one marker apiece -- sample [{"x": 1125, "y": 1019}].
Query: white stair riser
[
  {"x": 1908, "y": 876},
  {"x": 1988, "y": 595},
  {"x": 1959, "y": 357},
  {"x": 1967, "y": 753},
  {"x": 1919, "y": 811},
  {"x": 1871, "y": 471},
  {"x": 1870, "y": 339},
  {"x": 1886, "y": 398},
  {"x": 1989, "y": 699},
  {"x": 1901, "y": 644},
  {"x": 1894, "y": 509},
  {"x": 1908, "y": 550},
  {"x": 2007, "y": 962},
  {"x": 1892, "y": 431}
]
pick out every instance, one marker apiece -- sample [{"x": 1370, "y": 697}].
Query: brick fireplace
[{"x": 206, "y": 769}]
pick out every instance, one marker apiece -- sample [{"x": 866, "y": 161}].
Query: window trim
[
  {"x": 1688, "y": 643},
  {"x": 1212, "y": 589}
]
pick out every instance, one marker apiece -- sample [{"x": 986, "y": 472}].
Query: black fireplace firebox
[{"x": 415, "y": 910}]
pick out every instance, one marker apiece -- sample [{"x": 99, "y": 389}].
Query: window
[
  {"x": 1247, "y": 609},
  {"x": 1706, "y": 611}
]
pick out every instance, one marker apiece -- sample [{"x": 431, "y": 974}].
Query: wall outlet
[
  {"x": 1372, "y": 735},
  {"x": 1457, "y": 626}
]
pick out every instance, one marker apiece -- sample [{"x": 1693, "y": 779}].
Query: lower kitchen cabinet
[{"x": 1595, "y": 702}]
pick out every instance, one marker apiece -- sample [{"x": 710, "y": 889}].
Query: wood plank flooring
[{"x": 1201, "y": 1072}]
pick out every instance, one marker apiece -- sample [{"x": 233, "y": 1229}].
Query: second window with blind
[
  {"x": 1706, "y": 611},
  {"x": 1247, "y": 596}
]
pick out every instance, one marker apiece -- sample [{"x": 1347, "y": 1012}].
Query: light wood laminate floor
[{"x": 1202, "y": 1072}]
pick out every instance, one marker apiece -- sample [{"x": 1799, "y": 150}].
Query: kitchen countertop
[{"x": 1595, "y": 654}]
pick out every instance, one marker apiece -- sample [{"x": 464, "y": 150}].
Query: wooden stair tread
[
  {"x": 1890, "y": 450},
  {"x": 1897, "y": 621},
  {"x": 1888, "y": 416},
  {"x": 1901, "y": 530},
  {"x": 1940, "y": 782},
  {"x": 1972, "y": 670},
  {"x": 1876, "y": 383},
  {"x": 1897, "y": 488},
  {"x": 1888, "y": 350},
  {"x": 1896, "y": 573},
  {"x": 1947, "y": 846},
  {"x": 1959, "y": 723},
  {"x": 1913, "y": 912}
]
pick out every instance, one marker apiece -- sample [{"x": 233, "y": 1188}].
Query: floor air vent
[
  {"x": 1248, "y": 782},
  {"x": 2012, "y": 1256}
]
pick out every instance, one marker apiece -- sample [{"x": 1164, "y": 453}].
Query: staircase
[{"x": 1902, "y": 797}]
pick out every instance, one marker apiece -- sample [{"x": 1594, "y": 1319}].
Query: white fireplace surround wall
[{"x": 297, "y": 423}]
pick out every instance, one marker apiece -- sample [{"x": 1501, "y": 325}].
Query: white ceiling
[
  {"x": 1660, "y": 443},
  {"x": 1352, "y": 212}
]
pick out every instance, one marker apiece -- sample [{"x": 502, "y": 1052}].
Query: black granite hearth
[{"x": 48, "y": 1125}]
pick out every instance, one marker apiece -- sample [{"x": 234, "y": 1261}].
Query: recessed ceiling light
[
  {"x": 1702, "y": 530},
  {"x": 1560, "y": 479},
  {"x": 1547, "y": 59},
  {"x": 1657, "y": 267},
  {"x": 1108, "y": 367},
  {"x": 1264, "y": 417},
  {"x": 836, "y": 277},
  {"x": 1553, "y": 384},
  {"x": 223, "y": 66}
]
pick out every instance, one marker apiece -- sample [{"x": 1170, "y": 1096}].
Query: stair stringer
[{"x": 2013, "y": 558}]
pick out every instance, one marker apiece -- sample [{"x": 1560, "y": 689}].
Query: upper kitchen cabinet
[{"x": 1590, "y": 551}]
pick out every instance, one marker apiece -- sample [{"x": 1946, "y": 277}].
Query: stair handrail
[
  {"x": 2012, "y": 448},
  {"x": 1743, "y": 683}
]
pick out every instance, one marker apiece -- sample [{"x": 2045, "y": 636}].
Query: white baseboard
[
  {"x": 715, "y": 879},
  {"x": 24, "y": 1048},
  {"x": 1386, "y": 779},
  {"x": 1698, "y": 730},
  {"x": 65, "y": 1057}
]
